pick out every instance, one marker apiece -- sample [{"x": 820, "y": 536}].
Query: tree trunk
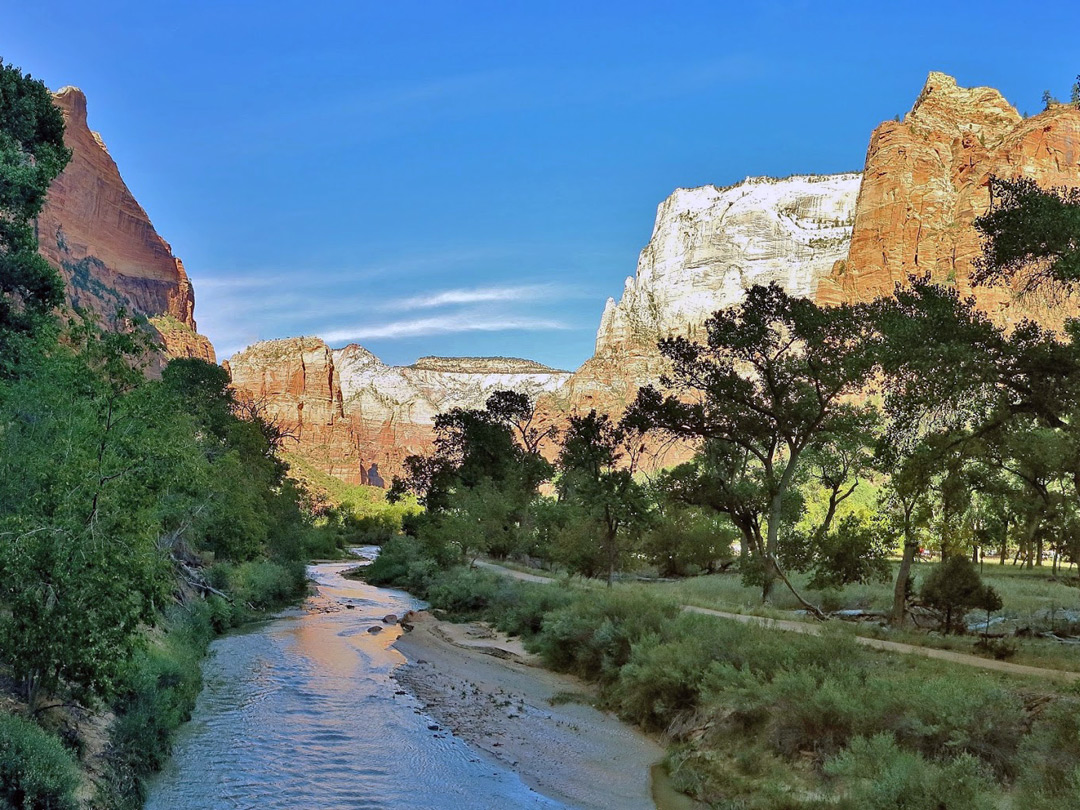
[
  {"x": 899, "y": 604},
  {"x": 613, "y": 553}
]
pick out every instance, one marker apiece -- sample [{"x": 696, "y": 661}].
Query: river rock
[
  {"x": 374, "y": 629},
  {"x": 390, "y": 618}
]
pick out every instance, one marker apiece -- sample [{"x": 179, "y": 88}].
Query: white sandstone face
[
  {"x": 709, "y": 245},
  {"x": 372, "y": 390}
]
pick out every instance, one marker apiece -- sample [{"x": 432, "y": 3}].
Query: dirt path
[{"x": 874, "y": 643}]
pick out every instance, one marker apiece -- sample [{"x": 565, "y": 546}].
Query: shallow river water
[{"x": 301, "y": 712}]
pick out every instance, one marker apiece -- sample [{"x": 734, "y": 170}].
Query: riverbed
[{"x": 302, "y": 712}]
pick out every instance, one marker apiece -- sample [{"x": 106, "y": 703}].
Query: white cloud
[
  {"x": 477, "y": 295},
  {"x": 464, "y": 322}
]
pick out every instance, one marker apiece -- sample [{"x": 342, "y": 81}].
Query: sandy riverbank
[{"x": 483, "y": 688}]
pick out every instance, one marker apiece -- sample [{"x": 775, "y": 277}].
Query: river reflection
[{"x": 301, "y": 712}]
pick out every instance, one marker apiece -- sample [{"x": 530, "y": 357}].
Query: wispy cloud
[
  {"x": 463, "y": 322},
  {"x": 478, "y": 295}
]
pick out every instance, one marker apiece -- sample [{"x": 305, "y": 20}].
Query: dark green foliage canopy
[
  {"x": 32, "y": 153},
  {"x": 1031, "y": 235},
  {"x": 953, "y": 588}
]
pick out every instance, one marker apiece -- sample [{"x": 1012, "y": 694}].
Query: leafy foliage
[
  {"x": 1029, "y": 230},
  {"x": 32, "y": 153},
  {"x": 769, "y": 385},
  {"x": 953, "y": 588}
]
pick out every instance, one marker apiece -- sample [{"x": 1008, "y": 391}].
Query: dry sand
[{"x": 482, "y": 687}]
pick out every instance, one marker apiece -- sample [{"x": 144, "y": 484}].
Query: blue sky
[{"x": 476, "y": 178}]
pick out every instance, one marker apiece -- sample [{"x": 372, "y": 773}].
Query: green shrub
[
  {"x": 519, "y": 608},
  {"x": 160, "y": 690},
  {"x": 259, "y": 584},
  {"x": 36, "y": 771},
  {"x": 403, "y": 563},
  {"x": 879, "y": 775},
  {"x": 464, "y": 592},
  {"x": 593, "y": 636},
  {"x": 1050, "y": 759},
  {"x": 662, "y": 680}
]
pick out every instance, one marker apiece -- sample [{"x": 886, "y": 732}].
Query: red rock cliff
[
  {"x": 351, "y": 415},
  {"x": 104, "y": 245},
  {"x": 925, "y": 182}
]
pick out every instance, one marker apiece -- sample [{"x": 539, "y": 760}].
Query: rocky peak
[
  {"x": 710, "y": 244},
  {"x": 925, "y": 182},
  {"x": 105, "y": 247},
  {"x": 944, "y": 105}
]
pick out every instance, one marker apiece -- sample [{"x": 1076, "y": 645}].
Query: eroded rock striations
[
  {"x": 347, "y": 410},
  {"x": 708, "y": 246},
  {"x": 926, "y": 180},
  {"x": 105, "y": 247}
]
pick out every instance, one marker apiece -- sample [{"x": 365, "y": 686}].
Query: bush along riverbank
[
  {"x": 764, "y": 720},
  {"x": 138, "y": 519}
]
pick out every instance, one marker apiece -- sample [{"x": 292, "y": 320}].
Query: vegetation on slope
[{"x": 137, "y": 517}]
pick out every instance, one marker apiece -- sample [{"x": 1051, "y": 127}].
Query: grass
[
  {"x": 1028, "y": 594},
  {"x": 1032, "y": 598}
]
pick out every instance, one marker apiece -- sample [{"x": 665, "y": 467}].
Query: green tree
[
  {"x": 953, "y": 588},
  {"x": 596, "y": 465},
  {"x": 774, "y": 380},
  {"x": 1031, "y": 235},
  {"x": 493, "y": 450},
  {"x": 32, "y": 153},
  {"x": 84, "y": 460}
]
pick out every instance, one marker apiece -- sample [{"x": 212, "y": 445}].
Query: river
[{"x": 301, "y": 712}]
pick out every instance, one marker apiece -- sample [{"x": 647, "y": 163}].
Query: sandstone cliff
[
  {"x": 105, "y": 247},
  {"x": 836, "y": 238},
  {"x": 351, "y": 415},
  {"x": 925, "y": 182},
  {"x": 708, "y": 246}
]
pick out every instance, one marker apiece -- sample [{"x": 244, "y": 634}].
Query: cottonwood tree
[
  {"x": 1029, "y": 234},
  {"x": 493, "y": 450},
  {"x": 596, "y": 465},
  {"x": 773, "y": 380}
]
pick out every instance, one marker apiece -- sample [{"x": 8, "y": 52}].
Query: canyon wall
[
  {"x": 352, "y": 416},
  {"x": 106, "y": 249},
  {"x": 926, "y": 180},
  {"x": 836, "y": 238},
  {"x": 708, "y": 246}
]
